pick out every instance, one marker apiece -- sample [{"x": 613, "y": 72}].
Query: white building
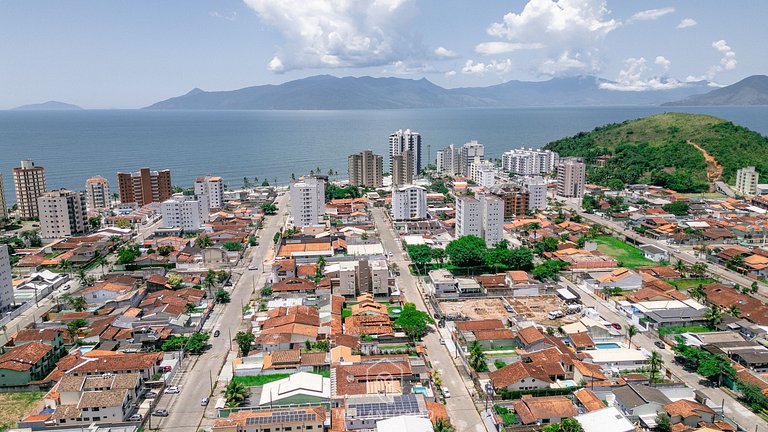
[
  {"x": 483, "y": 173},
  {"x": 406, "y": 140},
  {"x": 524, "y": 161},
  {"x": 307, "y": 201},
  {"x": 448, "y": 161},
  {"x": 304, "y": 386},
  {"x": 186, "y": 212},
  {"x": 537, "y": 192},
  {"x": 471, "y": 152},
  {"x": 482, "y": 217},
  {"x": 746, "y": 180},
  {"x": 97, "y": 194},
  {"x": 213, "y": 187},
  {"x": 6, "y": 279},
  {"x": 571, "y": 173},
  {"x": 62, "y": 214},
  {"x": 409, "y": 203}
]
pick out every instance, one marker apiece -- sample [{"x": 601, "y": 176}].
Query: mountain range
[
  {"x": 48, "y": 106},
  {"x": 752, "y": 90},
  {"x": 325, "y": 92}
]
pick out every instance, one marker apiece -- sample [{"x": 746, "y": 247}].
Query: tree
[
  {"x": 83, "y": 279},
  {"x": 520, "y": 258},
  {"x": 589, "y": 203},
  {"x": 698, "y": 293},
  {"x": 244, "y": 341},
  {"x": 655, "y": 362},
  {"x": 699, "y": 269},
  {"x": 235, "y": 393},
  {"x": 681, "y": 267},
  {"x": 549, "y": 269},
  {"x": 78, "y": 303},
  {"x": 197, "y": 342},
  {"x": 713, "y": 366},
  {"x": 547, "y": 244},
  {"x": 269, "y": 209},
  {"x": 734, "y": 311},
  {"x": 421, "y": 255},
  {"x": 413, "y": 321},
  {"x": 222, "y": 297},
  {"x": 128, "y": 254},
  {"x": 477, "y": 357},
  {"x": 211, "y": 278},
  {"x": 322, "y": 345},
  {"x": 204, "y": 242},
  {"x": 631, "y": 332},
  {"x": 233, "y": 246},
  {"x": 496, "y": 256},
  {"x": 663, "y": 422},
  {"x": 677, "y": 208},
  {"x": 75, "y": 325},
  {"x": 615, "y": 184},
  {"x": 752, "y": 395},
  {"x": 175, "y": 281},
  {"x": 566, "y": 425},
  {"x": 189, "y": 308},
  {"x": 266, "y": 291},
  {"x": 308, "y": 345},
  {"x": 714, "y": 316},
  {"x": 65, "y": 265},
  {"x": 442, "y": 424},
  {"x": 439, "y": 255},
  {"x": 94, "y": 222},
  {"x": 102, "y": 262},
  {"x": 466, "y": 251}
]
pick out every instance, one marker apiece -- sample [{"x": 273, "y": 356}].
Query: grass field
[
  {"x": 665, "y": 330},
  {"x": 626, "y": 254},
  {"x": 258, "y": 380},
  {"x": 686, "y": 284},
  {"x": 17, "y": 405}
]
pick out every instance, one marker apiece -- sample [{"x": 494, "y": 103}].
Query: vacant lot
[
  {"x": 535, "y": 308},
  {"x": 476, "y": 309},
  {"x": 17, "y": 405},
  {"x": 686, "y": 284},
  {"x": 626, "y": 254}
]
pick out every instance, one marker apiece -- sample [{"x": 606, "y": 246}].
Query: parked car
[
  {"x": 172, "y": 390},
  {"x": 135, "y": 417},
  {"x": 150, "y": 395},
  {"x": 66, "y": 287},
  {"x": 204, "y": 401},
  {"x": 442, "y": 341},
  {"x": 167, "y": 368},
  {"x": 617, "y": 326},
  {"x": 253, "y": 267},
  {"x": 660, "y": 344},
  {"x": 161, "y": 412},
  {"x": 216, "y": 333},
  {"x": 446, "y": 392}
]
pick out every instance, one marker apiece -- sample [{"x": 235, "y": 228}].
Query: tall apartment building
[
  {"x": 571, "y": 173},
  {"x": 186, "y": 212},
  {"x": 481, "y": 216},
  {"x": 366, "y": 169},
  {"x": 483, "y": 173},
  {"x": 537, "y": 191},
  {"x": 6, "y": 279},
  {"x": 63, "y": 213},
  {"x": 363, "y": 277},
  {"x": 522, "y": 195},
  {"x": 402, "y": 169},
  {"x": 97, "y": 194},
  {"x": 471, "y": 152},
  {"x": 3, "y": 206},
  {"x": 406, "y": 140},
  {"x": 29, "y": 181},
  {"x": 524, "y": 161},
  {"x": 307, "y": 201},
  {"x": 409, "y": 203},
  {"x": 448, "y": 161},
  {"x": 144, "y": 186},
  {"x": 213, "y": 188},
  {"x": 746, "y": 180}
]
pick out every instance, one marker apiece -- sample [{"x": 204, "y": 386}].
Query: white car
[
  {"x": 172, "y": 390},
  {"x": 446, "y": 392},
  {"x": 253, "y": 267},
  {"x": 135, "y": 417}
]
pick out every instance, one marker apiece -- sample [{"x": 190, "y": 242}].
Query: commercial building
[
  {"x": 571, "y": 173},
  {"x": 524, "y": 161},
  {"x": 213, "y": 188},
  {"x": 186, "y": 212},
  {"x": 483, "y": 173},
  {"x": 448, "y": 161},
  {"x": 400, "y": 142},
  {"x": 471, "y": 152},
  {"x": 409, "y": 203},
  {"x": 482, "y": 217},
  {"x": 6, "y": 279},
  {"x": 29, "y": 181},
  {"x": 97, "y": 194},
  {"x": 3, "y": 206},
  {"x": 746, "y": 180},
  {"x": 144, "y": 186},
  {"x": 366, "y": 169},
  {"x": 62, "y": 214},
  {"x": 307, "y": 201}
]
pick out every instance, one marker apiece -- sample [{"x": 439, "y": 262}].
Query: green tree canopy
[
  {"x": 413, "y": 321},
  {"x": 549, "y": 269},
  {"x": 420, "y": 255},
  {"x": 244, "y": 341},
  {"x": 677, "y": 208},
  {"x": 467, "y": 251}
]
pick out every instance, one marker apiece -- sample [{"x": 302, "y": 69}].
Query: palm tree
[
  {"x": 442, "y": 424},
  {"x": 65, "y": 265},
  {"x": 655, "y": 362},
  {"x": 82, "y": 278},
  {"x": 204, "y": 242},
  {"x": 699, "y": 268},
  {"x": 714, "y": 315},
  {"x": 698, "y": 293},
  {"x": 78, "y": 303},
  {"x": 102, "y": 262},
  {"x": 210, "y": 281},
  {"x": 631, "y": 332},
  {"x": 681, "y": 267},
  {"x": 532, "y": 227},
  {"x": 476, "y": 356},
  {"x": 734, "y": 311},
  {"x": 235, "y": 393}
]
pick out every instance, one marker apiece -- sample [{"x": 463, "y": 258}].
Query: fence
[{"x": 23, "y": 308}]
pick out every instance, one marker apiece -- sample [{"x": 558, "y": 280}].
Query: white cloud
[
  {"x": 444, "y": 52},
  {"x": 450, "y": 73},
  {"x": 633, "y": 77},
  {"x": 727, "y": 62},
  {"x": 686, "y": 22},
  {"x": 323, "y": 34},
  {"x": 651, "y": 14},
  {"x": 480, "y": 68},
  {"x": 493, "y": 48},
  {"x": 564, "y": 64},
  {"x": 228, "y": 17}
]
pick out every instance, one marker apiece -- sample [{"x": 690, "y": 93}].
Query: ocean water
[{"x": 75, "y": 145}]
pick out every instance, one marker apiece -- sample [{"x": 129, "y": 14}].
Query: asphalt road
[
  {"x": 200, "y": 372},
  {"x": 460, "y": 406}
]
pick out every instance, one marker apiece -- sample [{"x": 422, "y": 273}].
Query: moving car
[
  {"x": 446, "y": 392},
  {"x": 442, "y": 341},
  {"x": 172, "y": 390},
  {"x": 253, "y": 267},
  {"x": 216, "y": 333},
  {"x": 660, "y": 344},
  {"x": 204, "y": 401},
  {"x": 135, "y": 417},
  {"x": 617, "y": 326},
  {"x": 161, "y": 412},
  {"x": 150, "y": 395}
]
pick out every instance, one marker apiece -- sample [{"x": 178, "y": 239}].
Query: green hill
[{"x": 655, "y": 150}]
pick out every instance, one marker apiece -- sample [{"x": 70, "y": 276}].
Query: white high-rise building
[
  {"x": 481, "y": 216},
  {"x": 307, "y": 201},
  {"x": 571, "y": 173},
  {"x": 187, "y": 212},
  {"x": 471, "y": 152},
  {"x": 483, "y": 173},
  {"x": 448, "y": 160},
  {"x": 3, "y": 205},
  {"x": 409, "y": 203},
  {"x": 537, "y": 192},
  {"x": 213, "y": 187},
  {"x": 63, "y": 214},
  {"x": 97, "y": 194},
  {"x": 530, "y": 161},
  {"x": 29, "y": 181},
  {"x": 6, "y": 279},
  {"x": 404, "y": 140},
  {"x": 746, "y": 180}
]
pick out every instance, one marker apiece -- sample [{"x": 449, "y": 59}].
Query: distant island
[
  {"x": 752, "y": 90},
  {"x": 325, "y": 92},
  {"x": 667, "y": 150},
  {"x": 48, "y": 106}
]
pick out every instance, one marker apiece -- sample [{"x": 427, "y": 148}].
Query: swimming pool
[
  {"x": 608, "y": 345},
  {"x": 420, "y": 389}
]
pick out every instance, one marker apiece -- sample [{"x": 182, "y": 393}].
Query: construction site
[{"x": 529, "y": 308}]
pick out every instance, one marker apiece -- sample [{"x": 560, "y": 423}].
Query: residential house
[
  {"x": 92, "y": 399},
  {"x": 588, "y": 400},
  {"x": 443, "y": 284},
  {"x": 28, "y": 362},
  {"x": 520, "y": 376},
  {"x": 283, "y": 419},
  {"x": 543, "y": 410},
  {"x": 689, "y": 413},
  {"x": 531, "y": 339},
  {"x": 639, "y": 401}
]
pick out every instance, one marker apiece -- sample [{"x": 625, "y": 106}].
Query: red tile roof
[{"x": 22, "y": 358}]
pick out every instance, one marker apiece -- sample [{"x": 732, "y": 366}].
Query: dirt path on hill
[{"x": 714, "y": 169}]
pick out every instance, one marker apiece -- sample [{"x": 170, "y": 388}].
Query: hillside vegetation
[{"x": 654, "y": 150}]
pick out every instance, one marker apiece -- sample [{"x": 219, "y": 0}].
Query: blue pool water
[
  {"x": 420, "y": 389},
  {"x": 607, "y": 345}
]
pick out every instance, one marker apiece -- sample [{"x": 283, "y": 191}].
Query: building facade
[
  {"x": 471, "y": 152},
  {"x": 448, "y": 161},
  {"x": 483, "y": 173},
  {"x": 406, "y": 140},
  {"x": 307, "y": 201},
  {"x": 537, "y": 192},
  {"x": 3, "y": 206},
  {"x": 571, "y": 173},
  {"x": 366, "y": 169},
  {"x": 144, "y": 186},
  {"x": 524, "y": 161},
  {"x": 213, "y": 188},
  {"x": 97, "y": 194},
  {"x": 481, "y": 216},
  {"x": 402, "y": 168},
  {"x": 409, "y": 203},
  {"x": 62, "y": 213},
  {"x": 746, "y": 180},
  {"x": 6, "y": 279},
  {"x": 186, "y": 212},
  {"x": 29, "y": 182},
  {"x": 514, "y": 198}
]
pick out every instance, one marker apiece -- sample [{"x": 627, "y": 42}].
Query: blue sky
[{"x": 131, "y": 53}]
